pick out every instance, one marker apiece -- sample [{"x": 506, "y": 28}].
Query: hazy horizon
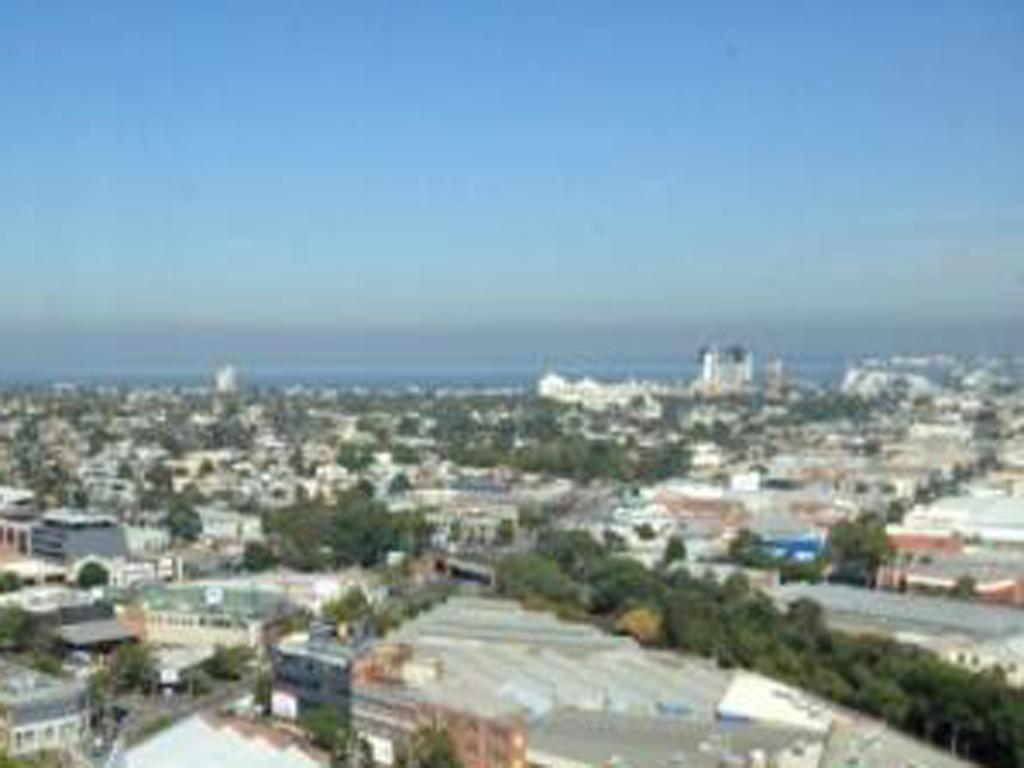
[
  {"x": 192, "y": 353},
  {"x": 203, "y": 181}
]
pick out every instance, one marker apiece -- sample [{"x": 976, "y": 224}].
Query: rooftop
[
  {"x": 317, "y": 647},
  {"x": 241, "y": 600},
  {"x": 499, "y": 657},
  {"x": 76, "y": 518},
  {"x": 604, "y": 738},
  {"x": 204, "y": 741},
  {"x": 892, "y": 613},
  {"x": 20, "y": 685}
]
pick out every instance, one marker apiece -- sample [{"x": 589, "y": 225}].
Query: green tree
[
  {"x": 506, "y": 533},
  {"x": 133, "y": 668},
  {"x": 349, "y": 608},
  {"x": 645, "y": 531},
  {"x": 528, "y": 576},
  {"x": 92, "y": 574},
  {"x": 258, "y": 557},
  {"x": 183, "y": 521},
  {"x": 675, "y": 550},
  {"x": 399, "y": 484},
  {"x": 9, "y": 582},
  {"x": 262, "y": 692},
  {"x": 965, "y": 588},
  {"x": 747, "y": 549},
  {"x": 325, "y": 727},
  {"x": 857, "y": 549},
  {"x": 355, "y": 457},
  {"x": 228, "y": 663},
  {"x": 432, "y": 748},
  {"x": 19, "y": 629}
]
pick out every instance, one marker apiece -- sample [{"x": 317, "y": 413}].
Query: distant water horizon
[
  {"x": 822, "y": 370},
  {"x": 433, "y": 359}
]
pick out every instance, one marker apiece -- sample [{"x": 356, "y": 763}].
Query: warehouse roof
[
  {"x": 499, "y": 657},
  {"x": 603, "y": 738},
  {"x": 892, "y": 613},
  {"x": 96, "y": 632},
  {"x": 207, "y": 742},
  {"x": 867, "y": 744}
]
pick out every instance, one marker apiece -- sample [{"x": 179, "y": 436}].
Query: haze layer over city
[{"x": 504, "y": 384}]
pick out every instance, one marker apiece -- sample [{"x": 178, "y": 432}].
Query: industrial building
[{"x": 517, "y": 687}]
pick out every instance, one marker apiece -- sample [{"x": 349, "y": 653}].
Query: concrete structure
[{"x": 39, "y": 712}]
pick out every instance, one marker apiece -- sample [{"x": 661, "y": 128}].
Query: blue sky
[{"x": 554, "y": 164}]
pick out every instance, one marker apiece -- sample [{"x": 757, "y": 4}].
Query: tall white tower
[
  {"x": 710, "y": 371},
  {"x": 225, "y": 381}
]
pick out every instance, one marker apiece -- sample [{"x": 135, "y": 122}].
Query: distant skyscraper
[
  {"x": 775, "y": 379},
  {"x": 225, "y": 381},
  {"x": 724, "y": 374},
  {"x": 710, "y": 372}
]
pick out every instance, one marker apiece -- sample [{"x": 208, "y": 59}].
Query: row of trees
[
  {"x": 357, "y": 530},
  {"x": 579, "y": 458},
  {"x": 977, "y": 716}
]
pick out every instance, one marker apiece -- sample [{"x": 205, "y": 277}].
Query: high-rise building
[
  {"x": 725, "y": 373},
  {"x": 225, "y": 381},
  {"x": 775, "y": 379}
]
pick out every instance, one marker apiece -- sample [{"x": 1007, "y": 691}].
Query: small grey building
[{"x": 312, "y": 670}]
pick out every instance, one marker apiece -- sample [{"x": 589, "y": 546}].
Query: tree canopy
[{"x": 93, "y": 574}]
